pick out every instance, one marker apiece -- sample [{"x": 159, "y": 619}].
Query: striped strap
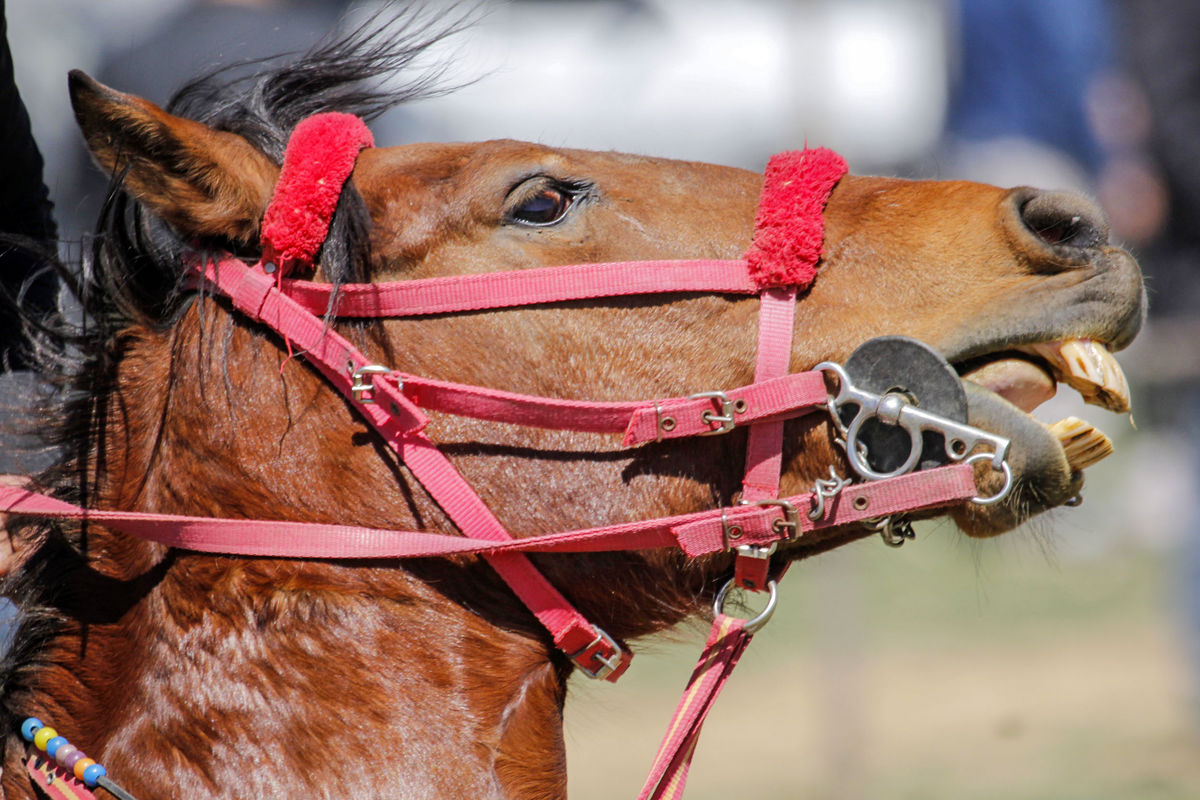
[{"x": 726, "y": 642}]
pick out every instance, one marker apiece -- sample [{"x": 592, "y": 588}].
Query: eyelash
[{"x": 547, "y": 205}]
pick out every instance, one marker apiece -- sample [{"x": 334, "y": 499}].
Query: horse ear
[{"x": 201, "y": 181}]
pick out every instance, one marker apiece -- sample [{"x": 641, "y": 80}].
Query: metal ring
[
  {"x": 1004, "y": 490},
  {"x": 755, "y": 624}
]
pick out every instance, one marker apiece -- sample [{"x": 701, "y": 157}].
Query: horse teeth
[
  {"x": 1083, "y": 443},
  {"x": 1088, "y": 368}
]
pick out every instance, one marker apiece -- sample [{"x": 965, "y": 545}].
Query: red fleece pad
[
  {"x": 789, "y": 228},
  {"x": 320, "y": 157}
]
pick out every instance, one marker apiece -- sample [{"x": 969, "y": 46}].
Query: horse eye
[{"x": 546, "y": 207}]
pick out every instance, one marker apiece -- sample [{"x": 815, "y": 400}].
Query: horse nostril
[{"x": 1065, "y": 219}]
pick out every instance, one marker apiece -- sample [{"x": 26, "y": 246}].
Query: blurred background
[{"x": 1060, "y": 661}]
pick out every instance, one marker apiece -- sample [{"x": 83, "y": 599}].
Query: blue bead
[
  {"x": 53, "y": 745},
  {"x": 29, "y": 727},
  {"x": 92, "y": 775}
]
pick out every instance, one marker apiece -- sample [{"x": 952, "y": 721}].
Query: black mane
[{"x": 131, "y": 275}]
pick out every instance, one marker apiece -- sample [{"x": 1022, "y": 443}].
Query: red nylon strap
[
  {"x": 726, "y": 642},
  {"x": 696, "y": 534},
  {"x": 522, "y": 287},
  {"x": 320, "y": 156},
  {"x": 640, "y": 421},
  {"x": 764, "y": 446}
]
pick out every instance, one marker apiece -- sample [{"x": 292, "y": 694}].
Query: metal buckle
[
  {"x": 362, "y": 384},
  {"x": 789, "y": 526},
  {"x": 759, "y": 551},
  {"x": 730, "y": 531},
  {"x": 729, "y": 408},
  {"x": 608, "y": 664}
]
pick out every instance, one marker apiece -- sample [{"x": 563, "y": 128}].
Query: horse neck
[
  {"x": 207, "y": 661},
  {"x": 183, "y": 678}
]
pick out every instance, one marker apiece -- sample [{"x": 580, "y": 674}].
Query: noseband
[{"x": 781, "y": 261}]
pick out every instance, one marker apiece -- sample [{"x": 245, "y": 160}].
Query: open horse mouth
[
  {"x": 1004, "y": 388},
  {"x": 1028, "y": 375}
]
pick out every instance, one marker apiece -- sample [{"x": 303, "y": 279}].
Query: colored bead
[
  {"x": 29, "y": 727},
  {"x": 65, "y": 750},
  {"x": 92, "y": 775},
  {"x": 42, "y": 736},
  {"x": 81, "y": 765},
  {"x": 53, "y": 745},
  {"x": 71, "y": 759}
]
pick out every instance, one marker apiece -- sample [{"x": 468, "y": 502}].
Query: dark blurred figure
[
  {"x": 25, "y": 208},
  {"x": 1163, "y": 50},
  {"x": 1024, "y": 71},
  {"x": 26, "y": 227}
]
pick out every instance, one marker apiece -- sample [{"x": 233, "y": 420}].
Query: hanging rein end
[{"x": 789, "y": 229}]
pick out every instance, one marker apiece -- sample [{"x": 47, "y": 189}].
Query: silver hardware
[
  {"x": 269, "y": 267},
  {"x": 894, "y": 531},
  {"x": 728, "y": 409},
  {"x": 759, "y": 551},
  {"x": 730, "y": 531},
  {"x": 662, "y": 424},
  {"x": 896, "y": 409},
  {"x": 362, "y": 384},
  {"x": 788, "y": 526},
  {"x": 608, "y": 664},
  {"x": 826, "y": 489},
  {"x": 755, "y": 624},
  {"x": 1004, "y": 490}
]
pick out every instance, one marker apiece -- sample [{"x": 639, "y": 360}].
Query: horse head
[
  {"x": 1018, "y": 289},
  {"x": 206, "y": 413}
]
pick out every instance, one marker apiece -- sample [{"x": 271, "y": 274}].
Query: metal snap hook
[
  {"x": 825, "y": 489},
  {"x": 754, "y": 624}
]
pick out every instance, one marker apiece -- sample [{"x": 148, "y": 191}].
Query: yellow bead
[
  {"x": 81, "y": 765},
  {"x": 44, "y": 735}
]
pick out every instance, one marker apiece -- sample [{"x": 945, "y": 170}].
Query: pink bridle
[{"x": 782, "y": 261}]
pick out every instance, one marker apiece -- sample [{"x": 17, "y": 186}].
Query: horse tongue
[{"x": 1018, "y": 381}]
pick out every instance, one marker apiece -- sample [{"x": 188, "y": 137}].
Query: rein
[{"x": 789, "y": 232}]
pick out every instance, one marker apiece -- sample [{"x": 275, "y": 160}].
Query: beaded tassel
[{"x": 69, "y": 757}]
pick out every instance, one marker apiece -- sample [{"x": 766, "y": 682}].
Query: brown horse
[{"x": 198, "y": 675}]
